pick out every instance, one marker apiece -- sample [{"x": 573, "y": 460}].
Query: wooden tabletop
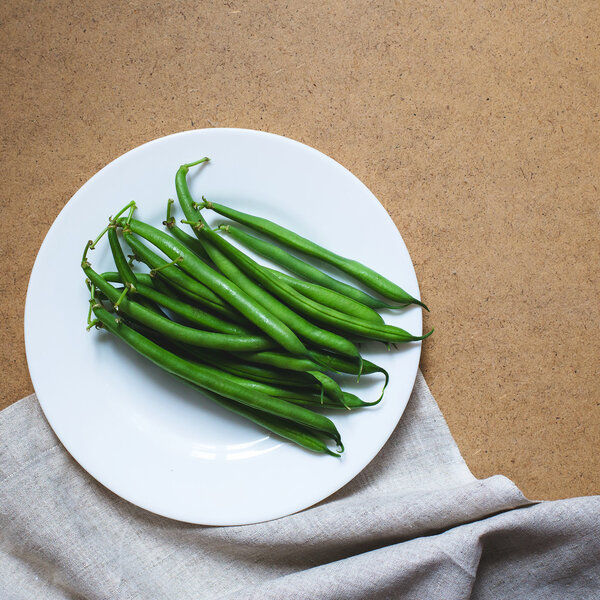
[{"x": 476, "y": 124}]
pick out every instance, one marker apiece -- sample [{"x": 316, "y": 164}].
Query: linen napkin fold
[{"x": 414, "y": 524}]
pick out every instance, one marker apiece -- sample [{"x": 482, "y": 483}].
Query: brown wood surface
[{"x": 475, "y": 124}]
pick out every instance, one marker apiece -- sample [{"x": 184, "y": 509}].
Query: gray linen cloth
[{"x": 414, "y": 524}]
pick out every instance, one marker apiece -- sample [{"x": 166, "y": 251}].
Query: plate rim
[{"x": 318, "y": 496}]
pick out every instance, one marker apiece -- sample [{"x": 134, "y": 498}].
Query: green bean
[
  {"x": 280, "y": 427},
  {"x": 323, "y": 314},
  {"x": 320, "y": 360},
  {"x": 194, "y": 244},
  {"x": 284, "y": 259},
  {"x": 220, "y": 285},
  {"x": 350, "y": 401},
  {"x": 115, "y": 277},
  {"x": 187, "y": 311},
  {"x": 253, "y": 371},
  {"x": 303, "y": 328},
  {"x": 183, "y": 193},
  {"x": 342, "y": 365},
  {"x": 281, "y": 360},
  {"x": 328, "y": 297},
  {"x": 165, "y": 326},
  {"x": 213, "y": 380},
  {"x": 355, "y": 269},
  {"x": 187, "y": 285},
  {"x": 125, "y": 272}
]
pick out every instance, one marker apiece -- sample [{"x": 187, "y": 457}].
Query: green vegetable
[
  {"x": 171, "y": 329},
  {"x": 288, "y": 238},
  {"x": 214, "y": 380},
  {"x": 284, "y": 259},
  {"x": 326, "y": 315},
  {"x": 219, "y": 285}
]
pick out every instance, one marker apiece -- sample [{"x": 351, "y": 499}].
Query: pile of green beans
[{"x": 259, "y": 342}]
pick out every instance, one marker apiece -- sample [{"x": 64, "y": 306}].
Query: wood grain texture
[{"x": 476, "y": 124}]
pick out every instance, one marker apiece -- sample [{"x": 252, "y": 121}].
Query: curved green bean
[
  {"x": 355, "y": 269},
  {"x": 328, "y": 297},
  {"x": 214, "y": 380},
  {"x": 294, "y": 264},
  {"x": 323, "y": 314},
  {"x": 176, "y": 331},
  {"x": 220, "y": 285}
]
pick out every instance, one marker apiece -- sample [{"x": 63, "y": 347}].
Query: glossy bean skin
[
  {"x": 350, "y": 402},
  {"x": 321, "y": 360},
  {"x": 320, "y": 313},
  {"x": 176, "y": 331},
  {"x": 256, "y": 372},
  {"x": 280, "y": 360},
  {"x": 193, "y": 314},
  {"x": 303, "y": 328},
  {"x": 187, "y": 285},
  {"x": 355, "y": 269},
  {"x": 214, "y": 380},
  {"x": 283, "y": 258},
  {"x": 330, "y": 298},
  {"x": 220, "y": 285}
]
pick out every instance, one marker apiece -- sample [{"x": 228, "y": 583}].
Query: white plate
[{"x": 151, "y": 439}]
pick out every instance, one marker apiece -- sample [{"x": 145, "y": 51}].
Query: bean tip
[{"x": 421, "y": 304}]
